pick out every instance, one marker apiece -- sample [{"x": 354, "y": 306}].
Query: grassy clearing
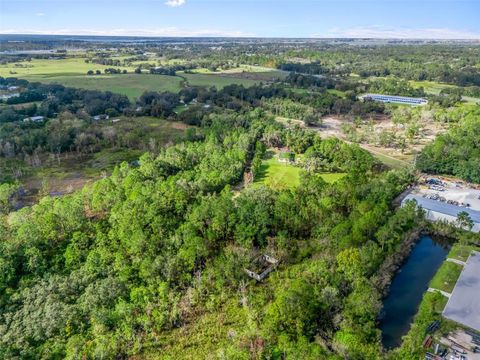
[
  {"x": 52, "y": 68},
  {"x": 280, "y": 175},
  {"x": 461, "y": 252},
  {"x": 389, "y": 161},
  {"x": 434, "y": 88},
  {"x": 446, "y": 276},
  {"x": 332, "y": 177},
  {"x": 431, "y": 87},
  {"x": 337, "y": 93},
  {"x": 132, "y": 85},
  {"x": 239, "y": 69}
]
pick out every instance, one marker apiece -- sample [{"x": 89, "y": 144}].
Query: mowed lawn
[
  {"x": 280, "y": 175},
  {"x": 446, "y": 276},
  {"x": 462, "y": 252}
]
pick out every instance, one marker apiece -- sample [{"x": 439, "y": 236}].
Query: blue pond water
[{"x": 407, "y": 289}]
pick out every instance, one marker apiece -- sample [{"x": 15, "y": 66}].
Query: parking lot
[{"x": 450, "y": 192}]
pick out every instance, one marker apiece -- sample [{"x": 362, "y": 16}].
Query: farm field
[
  {"x": 131, "y": 85},
  {"x": 52, "y": 68},
  {"x": 72, "y": 72}
]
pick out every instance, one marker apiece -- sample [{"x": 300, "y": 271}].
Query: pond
[{"x": 408, "y": 287}]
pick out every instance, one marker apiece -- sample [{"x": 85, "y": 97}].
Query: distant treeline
[{"x": 314, "y": 68}]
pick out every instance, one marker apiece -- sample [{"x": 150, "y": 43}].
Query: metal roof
[
  {"x": 463, "y": 305},
  {"x": 444, "y": 208}
]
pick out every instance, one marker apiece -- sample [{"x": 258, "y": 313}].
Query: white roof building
[
  {"x": 395, "y": 99},
  {"x": 34, "y": 119}
]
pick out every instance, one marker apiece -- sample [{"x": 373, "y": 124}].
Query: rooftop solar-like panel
[
  {"x": 443, "y": 208},
  {"x": 394, "y": 98}
]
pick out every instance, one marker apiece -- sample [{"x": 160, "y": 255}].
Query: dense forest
[
  {"x": 104, "y": 271},
  {"x": 148, "y": 261}
]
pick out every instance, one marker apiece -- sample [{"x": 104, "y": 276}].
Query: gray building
[
  {"x": 463, "y": 305},
  {"x": 438, "y": 211},
  {"x": 395, "y": 99},
  {"x": 34, "y": 119}
]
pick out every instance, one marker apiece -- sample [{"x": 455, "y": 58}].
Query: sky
[{"x": 440, "y": 19}]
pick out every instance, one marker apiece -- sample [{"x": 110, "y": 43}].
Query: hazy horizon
[{"x": 422, "y": 19}]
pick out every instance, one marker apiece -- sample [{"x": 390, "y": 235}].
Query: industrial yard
[{"x": 444, "y": 199}]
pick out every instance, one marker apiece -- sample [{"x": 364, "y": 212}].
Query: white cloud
[
  {"x": 156, "y": 32},
  {"x": 399, "y": 33},
  {"x": 40, "y": 14},
  {"x": 174, "y": 3}
]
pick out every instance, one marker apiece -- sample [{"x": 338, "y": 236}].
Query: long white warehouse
[
  {"x": 437, "y": 210},
  {"x": 395, "y": 99}
]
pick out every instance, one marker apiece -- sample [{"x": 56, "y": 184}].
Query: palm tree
[{"x": 464, "y": 220}]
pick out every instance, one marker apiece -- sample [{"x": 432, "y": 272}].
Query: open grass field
[
  {"x": 388, "y": 160},
  {"x": 431, "y": 87},
  {"x": 446, "y": 276},
  {"x": 248, "y": 72},
  {"x": 332, "y": 177},
  {"x": 73, "y": 72},
  {"x": 131, "y": 85},
  {"x": 52, "y": 68}
]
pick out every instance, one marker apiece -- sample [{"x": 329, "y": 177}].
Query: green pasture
[
  {"x": 132, "y": 85},
  {"x": 72, "y": 72},
  {"x": 51, "y": 68}
]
